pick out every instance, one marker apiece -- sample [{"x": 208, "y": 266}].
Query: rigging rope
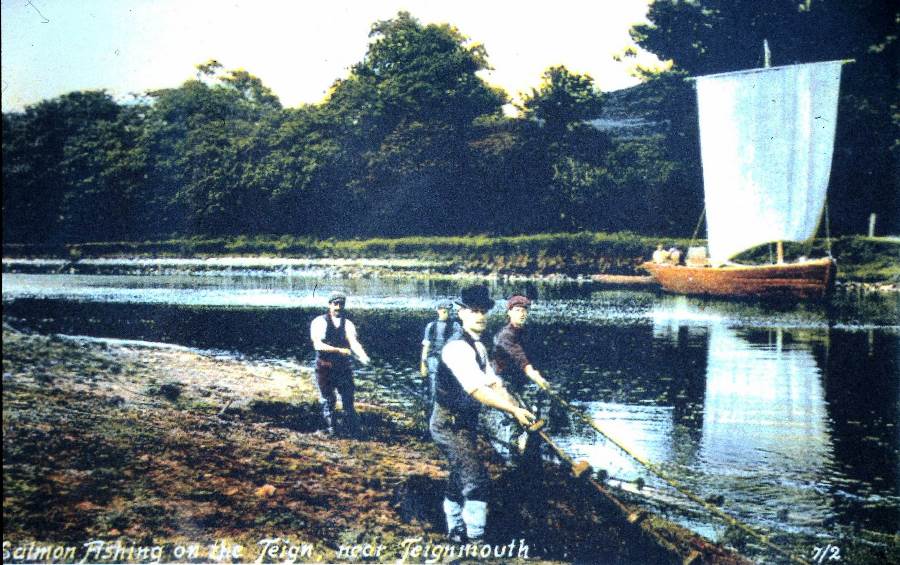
[
  {"x": 810, "y": 243},
  {"x": 697, "y": 229},
  {"x": 581, "y": 471}
]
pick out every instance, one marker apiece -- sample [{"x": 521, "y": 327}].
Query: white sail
[{"x": 766, "y": 139}]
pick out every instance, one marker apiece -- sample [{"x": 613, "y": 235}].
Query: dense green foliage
[{"x": 413, "y": 142}]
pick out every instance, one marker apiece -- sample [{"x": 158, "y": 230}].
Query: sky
[{"x": 298, "y": 48}]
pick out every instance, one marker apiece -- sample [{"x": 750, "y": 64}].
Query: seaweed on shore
[{"x": 97, "y": 445}]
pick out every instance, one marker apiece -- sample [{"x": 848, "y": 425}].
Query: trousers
[
  {"x": 337, "y": 377},
  {"x": 458, "y": 442},
  {"x": 432, "y": 364}
]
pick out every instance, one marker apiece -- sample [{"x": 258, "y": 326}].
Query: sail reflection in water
[
  {"x": 755, "y": 433},
  {"x": 762, "y": 400},
  {"x": 765, "y": 425}
]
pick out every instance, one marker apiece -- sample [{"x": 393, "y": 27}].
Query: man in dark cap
[
  {"x": 512, "y": 364},
  {"x": 334, "y": 339},
  {"x": 437, "y": 333},
  {"x": 465, "y": 381}
]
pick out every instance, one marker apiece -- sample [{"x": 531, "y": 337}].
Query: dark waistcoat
[
  {"x": 335, "y": 337},
  {"x": 450, "y": 394}
]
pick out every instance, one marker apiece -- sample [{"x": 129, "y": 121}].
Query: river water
[{"x": 787, "y": 417}]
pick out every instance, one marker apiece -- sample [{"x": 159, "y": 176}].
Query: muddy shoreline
[{"x": 140, "y": 447}]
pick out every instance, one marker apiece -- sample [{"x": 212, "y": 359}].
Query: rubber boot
[
  {"x": 456, "y": 527},
  {"x": 354, "y": 429},
  {"x": 328, "y": 416},
  {"x": 474, "y": 514}
]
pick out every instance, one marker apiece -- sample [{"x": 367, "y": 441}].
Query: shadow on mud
[
  {"x": 306, "y": 417},
  {"x": 303, "y": 417}
]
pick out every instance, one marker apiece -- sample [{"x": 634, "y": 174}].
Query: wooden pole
[{"x": 779, "y": 252}]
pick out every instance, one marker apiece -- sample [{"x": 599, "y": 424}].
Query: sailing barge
[
  {"x": 806, "y": 280},
  {"x": 766, "y": 140}
]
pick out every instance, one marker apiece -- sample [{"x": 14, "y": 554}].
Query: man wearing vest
[
  {"x": 334, "y": 339},
  {"x": 437, "y": 334},
  {"x": 465, "y": 381}
]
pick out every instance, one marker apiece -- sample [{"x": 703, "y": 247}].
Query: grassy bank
[
  {"x": 862, "y": 259},
  {"x": 167, "y": 448}
]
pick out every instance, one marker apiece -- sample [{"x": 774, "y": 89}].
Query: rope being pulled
[
  {"x": 580, "y": 470},
  {"x": 731, "y": 520}
]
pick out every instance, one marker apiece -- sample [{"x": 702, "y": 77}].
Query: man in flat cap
[
  {"x": 512, "y": 364},
  {"x": 334, "y": 339},
  {"x": 464, "y": 383},
  {"x": 437, "y": 333},
  {"x": 511, "y": 361}
]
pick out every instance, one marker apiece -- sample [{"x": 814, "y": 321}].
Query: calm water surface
[{"x": 790, "y": 414}]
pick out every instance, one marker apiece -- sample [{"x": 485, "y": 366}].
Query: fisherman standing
[
  {"x": 465, "y": 381},
  {"x": 511, "y": 362},
  {"x": 334, "y": 339},
  {"x": 437, "y": 333},
  {"x": 513, "y": 365}
]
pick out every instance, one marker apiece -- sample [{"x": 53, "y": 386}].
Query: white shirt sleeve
[
  {"x": 317, "y": 329},
  {"x": 461, "y": 360},
  {"x": 350, "y": 329},
  {"x": 425, "y": 340}
]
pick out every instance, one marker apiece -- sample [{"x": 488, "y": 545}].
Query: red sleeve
[{"x": 509, "y": 346}]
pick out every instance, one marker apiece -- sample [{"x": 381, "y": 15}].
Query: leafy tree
[
  {"x": 709, "y": 36},
  {"x": 412, "y": 185},
  {"x": 208, "y": 69},
  {"x": 419, "y": 73},
  {"x": 662, "y": 167},
  {"x": 647, "y": 189},
  {"x": 103, "y": 169},
  {"x": 292, "y": 156},
  {"x": 198, "y": 135},
  {"x": 409, "y": 104},
  {"x": 252, "y": 91},
  {"x": 34, "y": 147},
  {"x": 563, "y": 106},
  {"x": 583, "y": 194},
  {"x": 514, "y": 170},
  {"x": 564, "y": 101}
]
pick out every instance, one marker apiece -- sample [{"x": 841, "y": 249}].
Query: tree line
[{"x": 414, "y": 142}]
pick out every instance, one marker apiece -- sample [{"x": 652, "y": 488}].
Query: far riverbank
[{"x": 873, "y": 263}]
